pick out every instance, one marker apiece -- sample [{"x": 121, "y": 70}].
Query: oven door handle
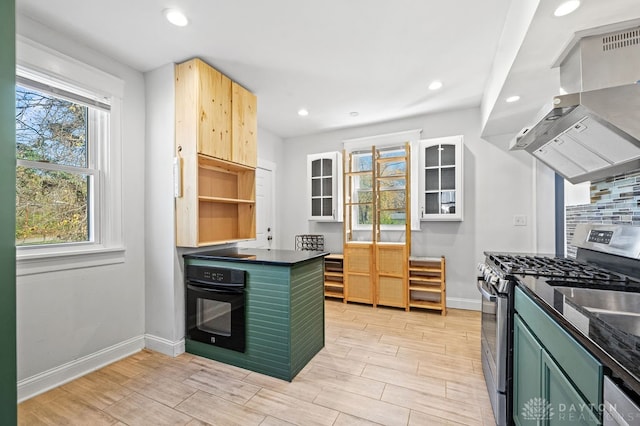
[
  {"x": 485, "y": 294},
  {"x": 215, "y": 289}
]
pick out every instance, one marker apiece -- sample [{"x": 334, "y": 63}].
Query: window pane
[
  {"x": 432, "y": 204},
  {"x": 327, "y": 187},
  {"x": 431, "y": 179},
  {"x": 448, "y": 202},
  {"x": 393, "y": 168},
  {"x": 448, "y": 155},
  {"x": 362, "y": 163},
  {"x": 315, "y": 188},
  {"x": 398, "y": 217},
  {"x": 50, "y": 129},
  {"x": 391, "y": 200},
  {"x": 51, "y": 207},
  {"x": 364, "y": 215},
  {"x": 449, "y": 178},
  {"x": 431, "y": 156}
]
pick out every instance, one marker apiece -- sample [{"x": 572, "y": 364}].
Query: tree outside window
[{"x": 53, "y": 175}]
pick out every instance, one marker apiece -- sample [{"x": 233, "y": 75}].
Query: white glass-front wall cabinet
[
  {"x": 324, "y": 175},
  {"x": 440, "y": 178}
]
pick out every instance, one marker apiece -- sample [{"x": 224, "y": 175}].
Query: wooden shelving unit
[
  {"x": 334, "y": 276},
  {"x": 216, "y": 149},
  {"x": 427, "y": 283},
  {"x": 377, "y": 199}
]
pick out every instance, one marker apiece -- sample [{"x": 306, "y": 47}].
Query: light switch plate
[{"x": 520, "y": 220}]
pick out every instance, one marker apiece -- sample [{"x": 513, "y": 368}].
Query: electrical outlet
[{"x": 520, "y": 220}]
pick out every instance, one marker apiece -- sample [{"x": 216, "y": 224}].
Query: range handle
[
  {"x": 212, "y": 289},
  {"x": 485, "y": 294}
]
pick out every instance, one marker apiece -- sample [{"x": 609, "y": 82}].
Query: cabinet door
[
  {"x": 441, "y": 179},
  {"x": 324, "y": 176},
  {"x": 214, "y": 115},
  {"x": 527, "y": 358},
  {"x": 244, "y": 124},
  {"x": 358, "y": 272},
  {"x": 566, "y": 404}
]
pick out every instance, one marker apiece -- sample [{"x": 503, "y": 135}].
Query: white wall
[
  {"x": 498, "y": 184},
  {"x": 70, "y": 321}
]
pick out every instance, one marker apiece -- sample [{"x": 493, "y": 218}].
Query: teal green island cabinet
[
  {"x": 284, "y": 309},
  {"x": 555, "y": 380}
]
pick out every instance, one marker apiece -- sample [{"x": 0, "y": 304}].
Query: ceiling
[{"x": 335, "y": 58}]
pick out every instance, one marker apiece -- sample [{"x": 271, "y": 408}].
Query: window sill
[{"x": 61, "y": 260}]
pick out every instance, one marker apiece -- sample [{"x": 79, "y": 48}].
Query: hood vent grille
[{"x": 621, "y": 40}]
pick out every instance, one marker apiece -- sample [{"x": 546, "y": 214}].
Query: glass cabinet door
[
  {"x": 324, "y": 174},
  {"x": 441, "y": 179}
]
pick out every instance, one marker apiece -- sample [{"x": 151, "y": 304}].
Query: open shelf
[
  {"x": 334, "y": 276},
  {"x": 427, "y": 283}
]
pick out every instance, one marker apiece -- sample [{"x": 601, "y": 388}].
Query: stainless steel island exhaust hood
[{"x": 593, "y": 132}]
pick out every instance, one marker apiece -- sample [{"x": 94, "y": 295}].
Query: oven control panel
[
  {"x": 601, "y": 237},
  {"x": 214, "y": 275}
]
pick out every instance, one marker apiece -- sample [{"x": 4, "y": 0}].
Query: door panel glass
[
  {"x": 448, "y": 155},
  {"x": 316, "y": 206},
  {"x": 327, "y": 186},
  {"x": 315, "y": 188},
  {"x": 431, "y": 180},
  {"x": 326, "y": 167},
  {"x": 432, "y": 204},
  {"x": 431, "y": 156},
  {"x": 316, "y": 168},
  {"x": 327, "y": 207},
  {"x": 448, "y": 202},
  {"x": 449, "y": 178}
]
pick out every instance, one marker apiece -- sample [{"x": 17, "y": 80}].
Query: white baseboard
[
  {"x": 164, "y": 346},
  {"x": 468, "y": 304},
  {"x": 64, "y": 373}
]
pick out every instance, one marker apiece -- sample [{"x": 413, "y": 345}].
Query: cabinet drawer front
[{"x": 583, "y": 369}]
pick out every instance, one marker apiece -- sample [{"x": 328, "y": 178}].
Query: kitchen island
[{"x": 284, "y": 308}]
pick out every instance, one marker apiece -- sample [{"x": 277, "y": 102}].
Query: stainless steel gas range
[{"x": 608, "y": 257}]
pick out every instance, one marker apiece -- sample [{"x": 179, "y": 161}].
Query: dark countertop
[
  {"x": 261, "y": 256},
  {"x": 617, "y": 349}
]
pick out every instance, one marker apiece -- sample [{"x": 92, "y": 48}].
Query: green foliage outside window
[{"x": 51, "y": 204}]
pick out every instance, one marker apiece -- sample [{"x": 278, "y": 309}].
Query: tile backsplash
[{"x": 614, "y": 200}]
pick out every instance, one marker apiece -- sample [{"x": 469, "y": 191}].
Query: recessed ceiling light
[
  {"x": 354, "y": 113},
  {"x": 567, "y": 7},
  {"x": 515, "y": 98},
  {"x": 176, "y": 17},
  {"x": 303, "y": 112},
  {"x": 435, "y": 85}
]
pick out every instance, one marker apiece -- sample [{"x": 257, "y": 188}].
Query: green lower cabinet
[
  {"x": 569, "y": 408},
  {"x": 555, "y": 380},
  {"x": 527, "y": 359}
]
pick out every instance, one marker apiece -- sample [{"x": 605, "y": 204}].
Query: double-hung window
[
  {"x": 58, "y": 133},
  {"x": 68, "y": 165}
]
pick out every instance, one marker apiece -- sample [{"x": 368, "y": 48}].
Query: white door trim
[{"x": 271, "y": 166}]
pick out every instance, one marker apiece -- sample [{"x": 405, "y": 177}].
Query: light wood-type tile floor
[{"x": 379, "y": 366}]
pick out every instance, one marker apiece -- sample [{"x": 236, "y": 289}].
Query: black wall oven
[{"x": 215, "y": 306}]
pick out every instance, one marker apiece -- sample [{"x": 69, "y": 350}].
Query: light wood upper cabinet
[
  {"x": 203, "y": 109},
  {"x": 244, "y": 124},
  {"x": 216, "y": 149}
]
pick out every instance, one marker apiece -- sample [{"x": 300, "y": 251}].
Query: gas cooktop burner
[{"x": 567, "y": 269}]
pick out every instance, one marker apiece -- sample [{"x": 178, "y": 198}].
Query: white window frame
[
  {"x": 390, "y": 140},
  {"x": 106, "y": 246}
]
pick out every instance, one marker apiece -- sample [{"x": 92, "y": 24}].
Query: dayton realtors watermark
[{"x": 539, "y": 409}]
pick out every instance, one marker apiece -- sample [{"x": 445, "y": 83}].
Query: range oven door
[
  {"x": 216, "y": 315},
  {"x": 494, "y": 348}
]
